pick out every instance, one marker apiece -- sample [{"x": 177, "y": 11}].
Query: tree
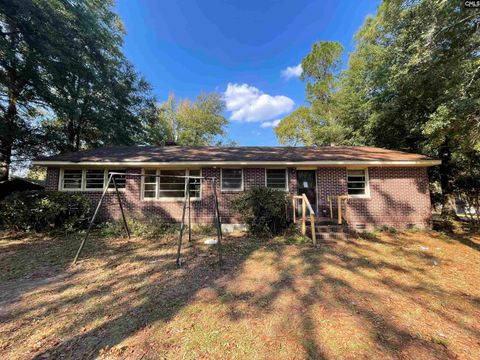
[
  {"x": 320, "y": 67},
  {"x": 317, "y": 124},
  {"x": 296, "y": 128},
  {"x": 18, "y": 77},
  {"x": 64, "y": 57},
  {"x": 412, "y": 84},
  {"x": 190, "y": 123},
  {"x": 466, "y": 185},
  {"x": 96, "y": 113}
]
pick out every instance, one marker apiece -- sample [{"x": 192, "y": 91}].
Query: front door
[{"x": 307, "y": 184}]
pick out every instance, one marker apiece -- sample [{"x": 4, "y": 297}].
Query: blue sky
[{"x": 241, "y": 49}]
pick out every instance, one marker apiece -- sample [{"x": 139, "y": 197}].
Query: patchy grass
[{"x": 411, "y": 295}]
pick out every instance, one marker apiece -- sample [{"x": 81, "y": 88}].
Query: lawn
[{"x": 409, "y": 295}]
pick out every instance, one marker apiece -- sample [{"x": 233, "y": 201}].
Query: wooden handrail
[
  {"x": 305, "y": 205},
  {"x": 339, "y": 199}
]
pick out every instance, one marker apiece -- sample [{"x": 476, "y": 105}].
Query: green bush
[
  {"x": 44, "y": 210},
  {"x": 148, "y": 227},
  {"x": 263, "y": 210}
]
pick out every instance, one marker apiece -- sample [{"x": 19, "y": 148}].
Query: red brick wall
[
  {"x": 398, "y": 197},
  {"x": 169, "y": 210},
  {"x": 330, "y": 181},
  {"x": 51, "y": 182}
]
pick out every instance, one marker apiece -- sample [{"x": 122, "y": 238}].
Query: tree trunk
[
  {"x": 6, "y": 141},
  {"x": 448, "y": 199},
  {"x": 5, "y": 160},
  {"x": 10, "y": 117}
]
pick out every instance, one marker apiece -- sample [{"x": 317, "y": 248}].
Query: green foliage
[
  {"x": 396, "y": 93},
  {"x": 147, "y": 227},
  {"x": 38, "y": 173},
  {"x": 296, "y": 128},
  {"x": 44, "y": 211},
  {"x": 263, "y": 210},
  {"x": 318, "y": 124},
  {"x": 367, "y": 235},
  {"x": 292, "y": 236},
  {"x": 189, "y": 123},
  {"x": 388, "y": 229},
  {"x": 466, "y": 187},
  {"x": 412, "y": 84},
  {"x": 64, "y": 81},
  {"x": 319, "y": 69},
  {"x": 204, "y": 229}
]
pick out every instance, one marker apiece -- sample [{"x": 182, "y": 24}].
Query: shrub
[
  {"x": 263, "y": 210},
  {"x": 148, "y": 227},
  {"x": 388, "y": 229},
  {"x": 44, "y": 210}
]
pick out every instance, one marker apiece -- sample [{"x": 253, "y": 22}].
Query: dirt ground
[{"x": 408, "y": 295}]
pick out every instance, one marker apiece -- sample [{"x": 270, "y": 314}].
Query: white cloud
[
  {"x": 272, "y": 124},
  {"x": 292, "y": 71},
  {"x": 249, "y": 104}
]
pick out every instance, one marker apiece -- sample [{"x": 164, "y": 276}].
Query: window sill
[
  {"x": 284, "y": 190},
  {"x": 358, "y": 196},
  {"x": 176, "y": 200},
  {"x": 91, "y": 190}
]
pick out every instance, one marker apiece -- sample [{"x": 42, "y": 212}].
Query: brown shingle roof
[{"x": 233, "y": 154}]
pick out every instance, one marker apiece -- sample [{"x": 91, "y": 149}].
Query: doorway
[{"x": 307, "y": 184}]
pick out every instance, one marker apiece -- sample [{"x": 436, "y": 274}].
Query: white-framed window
[
  {"x": 71, "y": 179},
  {"x": 162, "y": 184},
  {"x": 89, "y": 179},
  {"x": 276, "y": 179},
  {"x": 120, "y": 180},
  {"x": 195, "y": 184},
  {"x": 94, "y": 179},
  {"x": 357, "y": 183},
  {"x": 149, "y": 190},
  {"x": 171, "y": 186},
  {"x": 231, "y": 179}
]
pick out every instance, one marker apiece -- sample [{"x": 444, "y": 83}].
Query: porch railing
[
  {"x": 305, "y": 205},
  {"x": 340, "y": 199}
]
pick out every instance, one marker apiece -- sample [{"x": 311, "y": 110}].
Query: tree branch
[{"x": 9, "y": 33}]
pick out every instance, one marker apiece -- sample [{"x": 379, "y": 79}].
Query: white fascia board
[{"x": 241, "y": 163}]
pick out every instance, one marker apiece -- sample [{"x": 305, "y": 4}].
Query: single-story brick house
[{"x": 384, "y": 187}]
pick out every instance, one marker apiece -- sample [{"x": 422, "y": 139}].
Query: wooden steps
[
  {"x": 328, "y": 231},
  {"x": 331, "y": 233}
]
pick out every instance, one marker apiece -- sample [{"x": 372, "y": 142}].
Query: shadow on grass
[
  {"x": 461, "y": 231},
  {"x": 125, "y": 291},
  {"x": 129, "y": 291}
]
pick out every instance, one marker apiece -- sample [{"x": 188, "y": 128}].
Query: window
[
  {"x": 90, "y": 179},
  {"x": 232, "y": 179},
  {"x": 72, "y": 179},
  {"x": 170, "y": 184},
  {"x": 150, "y": 184},
  {"x": 276, "y": 179},
  {"x": 357, "y": 182},
  {"x": 194, "y": 186},
  {"x": 120, "y": 180},
  {"x": 94, "y": 179}
]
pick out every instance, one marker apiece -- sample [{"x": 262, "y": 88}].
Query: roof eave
[{"x": 429, "y": 162}]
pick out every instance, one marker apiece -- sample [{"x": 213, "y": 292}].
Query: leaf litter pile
[{"x": 412, "y": 295}]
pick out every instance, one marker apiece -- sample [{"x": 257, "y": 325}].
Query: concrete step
[
  {"x": 320, "y": 221},
  {"x": 324, "y": 236},
  {"x": 325, "y": 221},
  {"x": 330, "y": 228}
]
